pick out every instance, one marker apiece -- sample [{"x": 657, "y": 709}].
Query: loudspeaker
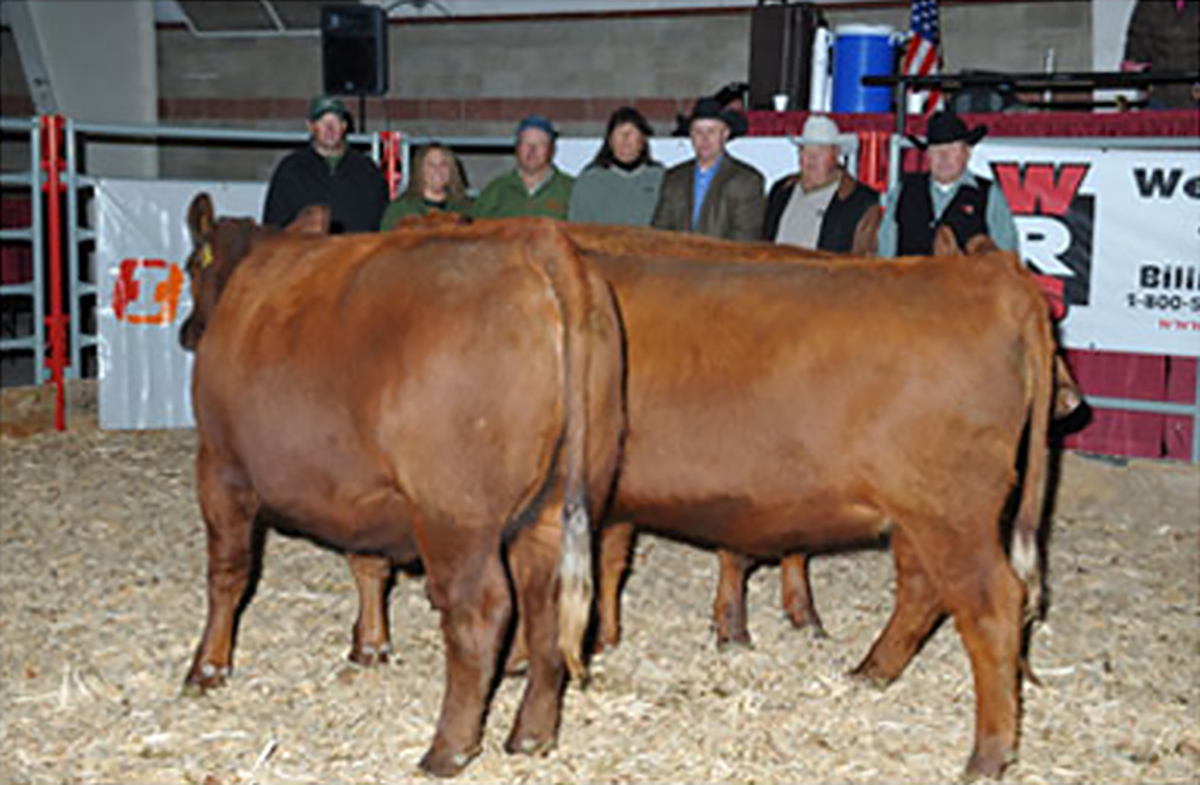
[
  {"x": 781, "y": 39},
  {"x": 354, "y": 57}
]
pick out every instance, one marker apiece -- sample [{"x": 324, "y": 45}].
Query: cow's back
[{"x": 762, "y": 395}]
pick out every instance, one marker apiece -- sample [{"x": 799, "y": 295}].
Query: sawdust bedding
[{"x": 102, "y": 564}]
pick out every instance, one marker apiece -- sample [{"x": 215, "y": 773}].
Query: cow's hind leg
[
  {"x": 533, "y": 563},
  {"x": 982, "y": 593},
  {"x": 796, "y": 594},
  {"x": 987, "y": 608},
  {"x": 372, "y": 639},
  {"x": 729, "y": 608},
  {"x": 917, "y": 611},
  {"x": 616, "y": 542},
  {"x": 229, "y": 506},
  {"x": 470, "y": 589}
]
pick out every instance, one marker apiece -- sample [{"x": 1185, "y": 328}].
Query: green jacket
[
  {"x": 506, "y": 197},
  {"x": 411, "y": 204}
]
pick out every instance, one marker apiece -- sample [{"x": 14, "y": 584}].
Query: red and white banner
[{"x": 1120, "y": 228}]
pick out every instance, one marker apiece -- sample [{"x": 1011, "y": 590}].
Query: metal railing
[{"x": 31, "y": 180}]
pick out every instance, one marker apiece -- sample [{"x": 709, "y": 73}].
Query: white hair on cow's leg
[
  {"x": 1024, "y": 558},
  {"x": 575, "y": 576}
]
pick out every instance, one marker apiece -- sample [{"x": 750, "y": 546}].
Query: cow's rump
[{"x": 454, "y": 395}]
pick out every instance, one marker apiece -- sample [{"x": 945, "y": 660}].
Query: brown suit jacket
[{"x": 733, "y": 207}]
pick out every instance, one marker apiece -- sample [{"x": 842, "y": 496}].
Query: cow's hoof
[
  {"x": 205, "y": 678},
  {"x": 987, "y": 767},
  {"x": 529, "y": 745},
  {"x": 370, "y": 656},
  {"x": 871, "y": 676},
  {"x": 442, "y": 763},
  {"x": 988, "y": 762},
  {"x": 734, "y": 644},
  {"x": 516, "y": 667},
  {"x": 814, "y": 629}
]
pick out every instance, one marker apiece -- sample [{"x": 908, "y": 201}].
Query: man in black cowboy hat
[
  {"x": 713, "y": 193},
  {"x": 946, "y": 195}
]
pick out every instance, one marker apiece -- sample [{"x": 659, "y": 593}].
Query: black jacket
[{"x": 356, "y": 193}]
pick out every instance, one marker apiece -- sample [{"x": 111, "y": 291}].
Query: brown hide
[
  {"x": 429, "y": 395},
  {"x": 1067, "y": 395},
  {"x": 808, "y": 402},
  {"x": 775, "y": 408},
  {"x": 729, "y": 606},
  {"x": 235, "y": 239}
]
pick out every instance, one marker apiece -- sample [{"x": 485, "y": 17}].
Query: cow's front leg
[
  {"x": 471, "y": 591},
  {"x": 797, "y": 595},
  {"x": 229, "y": 506},
  {"x": 729, "y": 608},
  {"x": 372, "y": 638}
]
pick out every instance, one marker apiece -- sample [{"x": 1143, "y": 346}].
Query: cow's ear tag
[{"x": 206, "y": 255}]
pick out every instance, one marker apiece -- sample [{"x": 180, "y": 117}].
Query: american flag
[{"x": 923, "y": 56}]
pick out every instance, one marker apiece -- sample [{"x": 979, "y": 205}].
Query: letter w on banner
[{"x": 923, "y": 56}]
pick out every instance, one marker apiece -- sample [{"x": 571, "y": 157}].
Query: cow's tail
[
  {"x": 586, "y": 347},
  {"x": 1039, "y": 386}
]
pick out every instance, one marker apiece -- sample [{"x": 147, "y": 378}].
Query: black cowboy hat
[
  {"x": 712, "y": 109},
  {"x": 946, "y": 127}
]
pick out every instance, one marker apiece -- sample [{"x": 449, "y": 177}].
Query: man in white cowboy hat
[
  {"x": 714, "y": 193},
  {"x": 946, "y": 195},
  {"x": 822, "y": 206}
]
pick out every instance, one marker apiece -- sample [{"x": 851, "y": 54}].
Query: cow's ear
[
  {"x": 944, "y": 242},
  {"x": 313, "y": 219},
  {"x": 981, "y": 243},
  {"x": 201, "y": 218}
]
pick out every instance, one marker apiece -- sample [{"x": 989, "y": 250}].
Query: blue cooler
[{"x": 858, "y": 51}]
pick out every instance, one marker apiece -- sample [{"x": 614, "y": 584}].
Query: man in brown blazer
[{"x": 713, "y": 193}]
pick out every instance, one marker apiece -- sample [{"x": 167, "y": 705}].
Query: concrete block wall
[{"x": 477, "y": 76}]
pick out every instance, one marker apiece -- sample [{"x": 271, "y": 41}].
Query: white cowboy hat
[{"x": 821, "y": 129}]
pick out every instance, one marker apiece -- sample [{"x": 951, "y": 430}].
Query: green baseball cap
[{"x": 324, "y": 104}]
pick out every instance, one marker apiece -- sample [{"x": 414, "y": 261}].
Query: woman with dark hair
[
  {"x": 620, "y": 185},
  {"x": 436, "y": 185}
]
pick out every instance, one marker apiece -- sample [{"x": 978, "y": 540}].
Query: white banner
[
  {"x": 1120, "y": 228},
  {"x": 142, "y": 245}
]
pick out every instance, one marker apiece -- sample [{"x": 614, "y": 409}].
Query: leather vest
[{"x": 965, "y": 215}]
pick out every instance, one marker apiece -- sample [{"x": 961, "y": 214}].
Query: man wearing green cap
[
  {"x": 329, "y": 172},
  {"x": 536, "y": 186}
]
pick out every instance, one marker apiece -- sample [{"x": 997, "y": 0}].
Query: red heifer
[
  {"x": 782, "y": 408},
  {"x": 443, "y": 396}
]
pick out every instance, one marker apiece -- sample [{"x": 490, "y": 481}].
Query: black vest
[
  {"x": 966, "y": 215},
  {"x": 842, "y": 217}
]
